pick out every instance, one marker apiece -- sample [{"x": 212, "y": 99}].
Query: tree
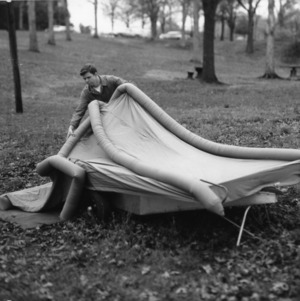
[
  {"x": 222, "y": 16},
  {"x": 51, "y": 38},
  {"x": 270, "y": 30},
  {"x": 196, "y": 37},
  {"x": 241, "y": 26},
  {"x": 231, "y": 19},
  {"x": 152, "y": 10},
  {"x": 227, "y": 14},
  {"x": 208, "y": 73},
  {"x": 96, "y": 18},
  {"x": 95, "y": 3},
  {"x": 185, "y": 6},
  {"x": 167, "y": 9},
  {"x": 33, "y": 42},
  {"x": 41, "y": 14},
  {"x": 171, "y": 4},
  {"x": 284, "y": 7},
  {"x": 128, "y": 11},
  {"x": 251, "y": 11},
  {"x": 141, "y": 12},
  {"x": 110, "y": 8},
  {"x": 163, "y": 17},
  {"x": 67, "y": 21}
]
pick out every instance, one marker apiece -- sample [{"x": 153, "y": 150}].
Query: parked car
[
  {"x": 127, "y": 33},
  {"x": 61, "y": 28},
  {"x": 170, "y": 35}
]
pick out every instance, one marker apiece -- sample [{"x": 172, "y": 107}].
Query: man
[{"x": 100, "y": 87}]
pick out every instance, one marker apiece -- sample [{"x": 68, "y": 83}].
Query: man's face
[{"x": 91, "y": 79}]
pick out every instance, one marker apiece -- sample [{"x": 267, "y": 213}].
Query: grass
[{"x": 186, "y": 256}]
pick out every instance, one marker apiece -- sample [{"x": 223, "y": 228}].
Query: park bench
[
  {"x": 293, "y": 70},
  {"x": 198, "y": 69}
]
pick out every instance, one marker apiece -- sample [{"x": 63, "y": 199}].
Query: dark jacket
[{"x": 109, "y": 84}]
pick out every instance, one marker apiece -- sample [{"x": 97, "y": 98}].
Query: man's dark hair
[{"x": 88, "y": 68}]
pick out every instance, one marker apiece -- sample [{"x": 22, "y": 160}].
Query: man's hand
[{"x": 70, "y": 131}]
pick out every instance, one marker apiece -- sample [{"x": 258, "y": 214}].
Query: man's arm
[
  {"x": 79, "y": 111},
  {"x": 70, "y": 131},
  {"x": 76, "y": 117}
]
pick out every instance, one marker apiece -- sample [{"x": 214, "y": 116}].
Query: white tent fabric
[
  {"x": 136, "y": 133},
  {"x": 129, "y": 149}
]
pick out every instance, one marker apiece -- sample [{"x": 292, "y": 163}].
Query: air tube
[
  {"x": 75, "y": 172},
  {"x": 72, "y": 140},
  {"x": 211, "y": 147},
  {"x": 199, "y": 190}
]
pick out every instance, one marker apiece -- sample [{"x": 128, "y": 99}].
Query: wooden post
[
  {"x": 199, "y": 72},
  {"x": 14, "y": 55},
  {"x": 190, "y": 75}
]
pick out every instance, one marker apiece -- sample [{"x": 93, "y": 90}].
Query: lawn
[{"x": 187, "y": 256}]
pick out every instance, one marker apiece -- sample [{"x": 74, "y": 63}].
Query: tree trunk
[
  {"x": 280, "y": 15},
  {"x": 222, "y": 27},
  {"x": 67, "y": 21},
  {"x": 163, "y": 18},
  {"x": 250, "y": 38},
  {"x": 51, "y": 38},
  {"x": 163, "y": 25},
  {"x": 251, "y": 11},
  {"x": 170, "y": 16},
  {"x": 270, "y": 30},
  {"x": 231, "y": 19},
  {"x": 208, "y": 73},
  {"x": 231, "y": 26},
  {"x": 96, "y": 18},
  {"x": 152, "y": 10},
  {"x": 184, "y": 14},
  {"x": 196, "y": 36},
  {"x": 153, "y": 20},
  {"x": 231, "y": 34},
  {"x": 112, "y": 22},
  {"x": 33, "y": 42},
  {"x": 127, "y": 19},
  {"x": 143, "y": 21}
]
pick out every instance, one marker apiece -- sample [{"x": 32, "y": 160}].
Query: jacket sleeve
[
  {"x": 80, "y": 109},
  {"x": 118, "y": 80}
]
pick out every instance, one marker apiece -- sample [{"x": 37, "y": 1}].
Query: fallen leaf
[
  {"x": 146, "y": 270},
  {"x": 279, "y": 288},
  {"x": 166, "y": 275},
  {"x": 207, "y": 268},
  {"x": 181, "y": 290}
]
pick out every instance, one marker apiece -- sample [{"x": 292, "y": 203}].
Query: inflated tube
[
  {"x": 72, "y": 140},
  {"x": 75, "y": 172},
  {"x": 199, "y": 190},
  {"x": 214, "y": 148}
]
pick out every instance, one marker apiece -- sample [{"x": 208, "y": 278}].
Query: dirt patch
[{"x": 164, "y": 74}]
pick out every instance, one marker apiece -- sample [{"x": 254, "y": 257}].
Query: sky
[{"x": 82, "y": 12}]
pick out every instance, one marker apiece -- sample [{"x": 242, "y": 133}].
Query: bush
[
  {"x": 85, "y": 29},
  {"x": 291, "y": 53},
  {"x": 283, "y": 34},
  {"x": 242, "y": 25}
]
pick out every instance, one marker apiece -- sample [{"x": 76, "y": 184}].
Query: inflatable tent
[{"x": 132, "y": 148}]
